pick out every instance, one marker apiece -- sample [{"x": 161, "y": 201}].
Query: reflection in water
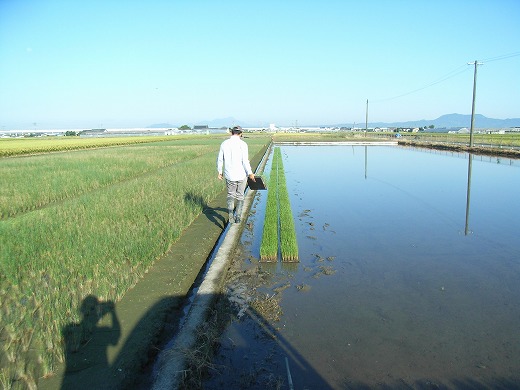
[
  {"x": 468, "y": 193},
  {"x": 366, "y": 161}
]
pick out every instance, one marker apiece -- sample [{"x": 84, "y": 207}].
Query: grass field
[{"x": 88, "y": 222}]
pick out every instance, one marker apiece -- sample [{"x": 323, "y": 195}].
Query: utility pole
[
  {"x": 366, "y": 120},
  {"x": 473, "y": 104}
]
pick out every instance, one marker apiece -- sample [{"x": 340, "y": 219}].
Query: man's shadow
[
  {"x": 214, "y": 214},
  {"x": 86, "y": 343}
]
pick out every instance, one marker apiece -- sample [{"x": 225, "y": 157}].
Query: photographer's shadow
[
  {"x": 87, "y": 342},
  {"x": 214, "y": 214}
]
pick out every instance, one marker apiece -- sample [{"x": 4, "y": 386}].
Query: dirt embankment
[{"x": 484, "y": 150}]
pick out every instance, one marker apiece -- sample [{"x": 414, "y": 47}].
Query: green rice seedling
[
  {"x": 5, "y": 381},
  {"x": 288, "y": 242},
  {"x": 269, "y": 245},
  {"x": 278, "y": 217}
]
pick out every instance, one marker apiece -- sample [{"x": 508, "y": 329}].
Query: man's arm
[
  {"x": 246, "y": 163},
  {"x": 220, "y": 162}
]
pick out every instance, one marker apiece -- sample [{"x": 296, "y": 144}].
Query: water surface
[{"x": 406, "y": 283}]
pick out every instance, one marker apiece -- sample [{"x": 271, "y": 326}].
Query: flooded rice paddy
[{"x": 409, "y": 276}]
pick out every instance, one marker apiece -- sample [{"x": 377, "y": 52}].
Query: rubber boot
[
  {"x": 231, "y": 208},
  {"x": 238, "y": 211}
]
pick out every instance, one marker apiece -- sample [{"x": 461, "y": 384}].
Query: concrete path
[{"x": 171, "y": 362}]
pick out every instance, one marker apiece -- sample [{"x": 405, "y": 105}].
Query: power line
[
  {"x": 501, "y": 57},
  {"x": 449, "y": 75}
]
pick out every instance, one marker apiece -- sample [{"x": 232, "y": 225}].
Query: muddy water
[{"x": 404, "y": 280}]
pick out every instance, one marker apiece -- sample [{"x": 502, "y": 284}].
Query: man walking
[{"x": 234, "y": 158}]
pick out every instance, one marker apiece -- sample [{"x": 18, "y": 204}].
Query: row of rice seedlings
[
  {"x": 288, "y": 242},
  {"x": 98, "y": 243},
  {"x": 279, "y": 230},
  {"x": 269, "y": 245},
  {"x": 34, "y": 182}
]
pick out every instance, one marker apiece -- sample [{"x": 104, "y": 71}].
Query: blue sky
[{"x": 84, "y": 64}]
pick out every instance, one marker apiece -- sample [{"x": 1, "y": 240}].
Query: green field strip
[
  {"x": 269, "y": 245},
  {"x": 279, "y": 235},
  {"x": 288, "y": 242}
]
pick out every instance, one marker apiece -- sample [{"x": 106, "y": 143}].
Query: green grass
[
  {"x": 279, "y": 232},
  {"x": 44, "y": 179},
  {"x": 89, "y": 223},
  {"x": 269, "y": 245},
  {"x": 288, "y": 243}
]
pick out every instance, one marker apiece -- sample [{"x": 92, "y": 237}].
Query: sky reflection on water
[{"x": 408, "y": 297}]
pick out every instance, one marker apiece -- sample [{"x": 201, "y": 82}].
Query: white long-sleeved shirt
[{"x": 234, "y": 158}]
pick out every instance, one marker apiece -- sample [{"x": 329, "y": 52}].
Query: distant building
[{"x": 93, "y": 133}]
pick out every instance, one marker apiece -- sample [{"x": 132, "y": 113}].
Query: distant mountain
[
  {"x": 448, "y": 121},
  {"x": 451, "y": 121},
  {"x": 221, "y": 122},
  {"x": 458, "y": 120},
  {"x": 224, "y": 122},
  {"x": 161, "y": 126}
]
